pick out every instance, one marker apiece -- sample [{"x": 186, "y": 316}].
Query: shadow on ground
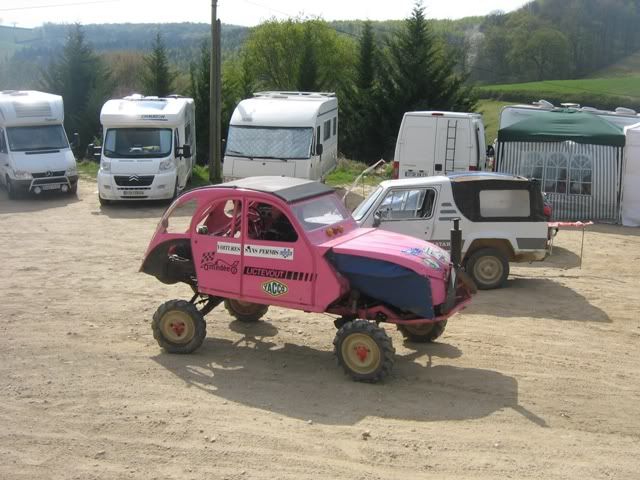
[
  {"x": 35, "y": 203},
  {"x": 305, "y": 383},
  {"x": 537, "y": 298},
  {"x": 134, "y": 209},
  {"x": 560, "y": 258}
]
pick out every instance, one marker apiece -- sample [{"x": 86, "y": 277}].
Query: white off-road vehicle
[{"x": 501, "y": 216}]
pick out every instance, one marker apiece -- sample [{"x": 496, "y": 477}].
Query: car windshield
[
  {"x": 263, "y": 142},
  {"x": 42, "y": 137},
  {"x": 362, "y": 209},
  {"x": 137, "y": 142},
  {"x": 320, "y": 212}
]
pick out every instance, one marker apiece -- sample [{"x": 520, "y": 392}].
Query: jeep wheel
[
  {"x": 489, "y": 268},
  {"x": 245, "y": 311},
  {"x": 426, "y": 332},
  {"x": 364, "y": 351},
  {"x": 178, "y": 327}
]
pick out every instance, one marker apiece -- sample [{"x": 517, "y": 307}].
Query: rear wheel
[
  {"x": 245, "y": 311},
  {"x": 426, "y": 332},
  {"x": 364, "y": 351},
  {"x": 178, "y": 327},
  {"x": 489, "y": 268}
]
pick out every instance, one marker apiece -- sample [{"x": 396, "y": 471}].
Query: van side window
[
  {"x": 408, "y": 204},
  {"x": 3, "y": 144},
  {"x": 335, "y": 126},
  {"x": 318, "y": 136},
  {"x": 327, "y": 130},
  {"x": 187, "y": 133}
]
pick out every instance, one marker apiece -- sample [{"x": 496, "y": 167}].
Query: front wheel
[
  {"x": 178, "y": 327},
  {"x": 364, "y": 351},
  {"x": 245, "y": 311},
  {"x": 423, "y": 333},
  {"x": 489, "y": 268}
]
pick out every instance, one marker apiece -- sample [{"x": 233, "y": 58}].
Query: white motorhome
[
  {"x": 293, "y": 134},
  {"x": 148, "y": 148},
  {"x": 437, "y": 143},
  {"x": 34, "y": 150},
  {"x": 621, "y": 116}
]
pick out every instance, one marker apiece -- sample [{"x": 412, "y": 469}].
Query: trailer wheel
[
  {"x": 489, "y": 268},
  {"x": 178, "y": 327},
  {"x": 426, "y": 332},
  {"x": 364, "y": 351},
  {"x": 245, "y": 311}
]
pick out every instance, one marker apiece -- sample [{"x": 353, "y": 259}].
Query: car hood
[{"x": 420, "y": 256}]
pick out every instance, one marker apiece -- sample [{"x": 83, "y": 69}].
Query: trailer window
[
  {"x": 327, "y": 130},
  {"x": 42, "y": 137},
  {"x": 269, "y": 142},
  {"x": 335, "y": 125},
  {"x": 138, "y": 142},
  {"x": 580, "y": 175},
  {"x": 505, "y": 203}
]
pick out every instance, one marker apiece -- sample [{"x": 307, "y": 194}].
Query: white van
[
  {"x": 293, "y": 134},
  {"x": 501, "y": 216},
  {"x": 148, "y": 148},
  {"x": 437, "y": 143},
  {"x": 621, "y": 116},
  {"x": 34, "y": 150}
]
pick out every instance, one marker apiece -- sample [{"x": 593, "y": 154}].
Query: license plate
[
  {"x": 133, "y": 193},
  {"x": 50, "y": 187},
  {"x": 411, "y": 173}
]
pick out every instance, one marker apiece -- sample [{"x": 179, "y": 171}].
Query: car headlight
[
  {"x": 72, "y": 171},
  {"x": 22, "y": 175},
  {"x": 166, "y": 165},
  {"x": 105, "y": 165}
]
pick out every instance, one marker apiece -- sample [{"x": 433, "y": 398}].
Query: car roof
[
  {"x": 452, "y": 177},
  {"x": 288, "y": 189}
]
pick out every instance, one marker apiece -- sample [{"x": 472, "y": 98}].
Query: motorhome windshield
[
  {"x": 41, "y": 137},
  {"x": 137, "y": 142},
  {"x": 269, "y": 142}
]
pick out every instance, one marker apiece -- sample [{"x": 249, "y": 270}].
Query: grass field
[
  {"x": 627, "y": 67},
  {"x": 490, "y": 110}
]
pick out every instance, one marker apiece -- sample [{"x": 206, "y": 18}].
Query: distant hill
[{"x": 627, "y": 67}]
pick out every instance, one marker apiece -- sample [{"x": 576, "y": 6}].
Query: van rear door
[{"x": 416, "y": 147}]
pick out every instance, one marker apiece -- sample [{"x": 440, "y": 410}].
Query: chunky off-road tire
[
  {"x": 364, "y": 351},
  {"x": 245, "y": 311},
  {"x": 178, "y": 327},
  {"x": 426, "y": 332},
  {"x": 489, "y": 268}
]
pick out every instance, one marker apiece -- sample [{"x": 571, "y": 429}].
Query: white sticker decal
[
  {"x": 229, "y": 248},
  {"x": 261, "y": 251}
]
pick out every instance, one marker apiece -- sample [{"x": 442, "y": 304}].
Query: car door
[
  {"x": 217, "y": 245},
  {"x": 408, "y": 211},
  {"x": 277, "y": 263}
]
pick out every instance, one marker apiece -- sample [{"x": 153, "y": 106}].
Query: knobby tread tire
[
  {"x": 436, "y": 331},
  {"x": 260, "y": 311},
  {"x": 199, "y": 324}
]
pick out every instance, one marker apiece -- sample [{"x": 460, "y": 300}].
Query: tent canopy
[{"x": 561, "y": 126}]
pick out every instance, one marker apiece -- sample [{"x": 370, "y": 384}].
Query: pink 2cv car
[{"x": 291, "y": 243}]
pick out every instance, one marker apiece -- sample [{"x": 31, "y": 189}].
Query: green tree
[
  {"x": 158, "y": 77},
  {"x": 308, "y": 71},
  {"x": 199, "y": 91},
  {"x": 416, "y": 74},
  {"x": 546, "y": 54},
  {"x": 84, "y": 83}
]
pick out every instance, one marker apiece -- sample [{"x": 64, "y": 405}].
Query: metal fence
[{"x": 601, "y": 201}]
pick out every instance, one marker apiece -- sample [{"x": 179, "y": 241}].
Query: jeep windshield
[
  {"x": 362, "y": 209},
  {"x": 137, "y": 142},
  {"x": 42, "y": 137},
  {"x": 320, "y": 212},
  {"x": 286, "y": 143}
]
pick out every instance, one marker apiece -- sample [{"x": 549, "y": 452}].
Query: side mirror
[
  {"x": 319, "y": 149},
  {"x": 75, "y": 140},
  {"x": 185, "y": 151},
  {"x": 377, "y": 219}
]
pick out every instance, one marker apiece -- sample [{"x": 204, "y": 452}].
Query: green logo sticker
[{"x": 275, "y": 288}]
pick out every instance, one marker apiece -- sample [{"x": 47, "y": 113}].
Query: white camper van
[
  {"x": 437, "y": 143},
  {"x": 148, "y": 148},
  {"x": 34, "y": 149},
  {"x": 621, "y": 116},
  {"x": 293, "y": 134}
]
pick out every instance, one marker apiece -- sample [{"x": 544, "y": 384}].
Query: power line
[{"x": 36, "y": 7}]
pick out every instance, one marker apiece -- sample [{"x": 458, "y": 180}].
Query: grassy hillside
[
  {"x": 627, "y": 67},
  {"x": 490, "y": 110},
  {"x": 606, "y": 93}
]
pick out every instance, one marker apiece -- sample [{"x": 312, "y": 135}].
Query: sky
[{"x": 31, "y": 13}]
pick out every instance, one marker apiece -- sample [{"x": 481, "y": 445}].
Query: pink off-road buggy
[{"x": 291, "y": 243}]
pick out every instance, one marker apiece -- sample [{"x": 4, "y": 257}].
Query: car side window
[
  {"x": 268, "y": 222},
  {"x": 222, "y": 219},
  {"x": 3, "y": 144},
  {"x": 408, "y": 204}
]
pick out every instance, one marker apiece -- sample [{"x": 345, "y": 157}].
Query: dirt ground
[{"x": 539, "y": 380}]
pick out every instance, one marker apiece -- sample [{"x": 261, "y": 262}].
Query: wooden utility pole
[{"x": 215, "y": 164}]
